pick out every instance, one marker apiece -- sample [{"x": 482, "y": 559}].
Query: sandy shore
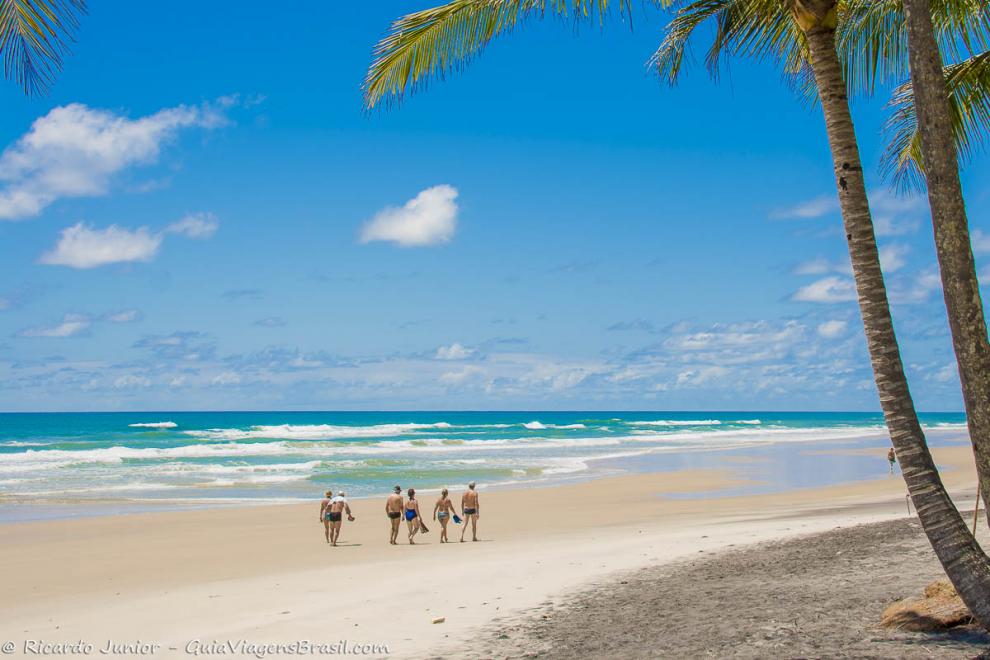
[
  {"x": 264, "y": 574},
  {"x": 817, "y": 595}
]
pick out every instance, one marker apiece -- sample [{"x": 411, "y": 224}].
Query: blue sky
[{"x": 201, "y": 216}]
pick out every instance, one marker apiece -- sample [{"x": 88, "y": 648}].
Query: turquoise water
[{"x": 229, "y": 457}]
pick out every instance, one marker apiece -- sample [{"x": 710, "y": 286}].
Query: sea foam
[
  {"x": 678, "y": 422},
  {"x": 314, "y": 431}
]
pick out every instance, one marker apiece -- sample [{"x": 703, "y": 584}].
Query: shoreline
[
  {"x": 264, "y": 573},
  {"x": 16, "y": 510}
]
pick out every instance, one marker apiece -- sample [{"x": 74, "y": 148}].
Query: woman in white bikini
[
  {"x": 442, "y": 511},
  {"x": 413, "y": 518}
]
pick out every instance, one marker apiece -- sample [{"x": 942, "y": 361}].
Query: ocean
[{"x": 75, "y": 461}]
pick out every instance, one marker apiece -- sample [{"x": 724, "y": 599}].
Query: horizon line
[{"x": 459, "y": 410}]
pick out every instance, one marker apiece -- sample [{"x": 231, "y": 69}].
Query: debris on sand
[{"x": 940, "y": 609}]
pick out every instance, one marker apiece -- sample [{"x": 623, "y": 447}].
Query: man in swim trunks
[
  {"x": 892, "y": 459},
  {"x": 324, "y": 513},
  {"x": 471, "y": 511},
  {"x": 335, "y": 512},
  {"x": 393, "y": 509}
]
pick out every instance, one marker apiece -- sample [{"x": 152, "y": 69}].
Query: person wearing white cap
[{"x": 335, "y": 512}]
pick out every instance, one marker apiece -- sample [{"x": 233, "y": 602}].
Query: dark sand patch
[{"x": 816, "y": 596}]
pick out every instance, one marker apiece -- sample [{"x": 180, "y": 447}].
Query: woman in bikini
[
  {"x": 442, "y": 511},
  {"x": 413, "y": 518},
  {"x": 325, "y": 513}
]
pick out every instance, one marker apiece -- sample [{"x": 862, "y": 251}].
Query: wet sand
[{"x": 264, "y": 574}]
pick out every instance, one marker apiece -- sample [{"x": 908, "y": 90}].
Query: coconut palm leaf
[
  {"x": 872, "y": 42},
  {"x": 968, "y": 84},
  {"x": 872, "y": 37},
  {"x": 872, "y": 45},
  {"x": 759, "y": 29},
  {"x": 431, "y": 43},
  {"x": 34, "y": 36}
]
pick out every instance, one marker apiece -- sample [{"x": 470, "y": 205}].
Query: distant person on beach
[
  {"x": 393, "y": 509},
  {"x": 892, "y": 459},
  {"x": 471, "y": 510},
  {"x": 335, "y": 512},
  {"x": 413, "y": 517},
  {"x": 442, "y": 511},
  {"x": 325, "y": 513}
]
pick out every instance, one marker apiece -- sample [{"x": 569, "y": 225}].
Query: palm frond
[
  {"x": 668, "y": 60},
  {"x": 968, "y": 86},
  {"x": 760, "y": 29},
  {"x": 431, "y": 43},
  {"x": 34, "y": 37},
  {"x": 872, "y": 38}
]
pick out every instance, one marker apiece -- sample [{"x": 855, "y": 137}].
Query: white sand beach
[{"x": 262, "y": 575}]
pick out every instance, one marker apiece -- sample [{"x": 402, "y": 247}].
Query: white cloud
[
  {"x": 195, "y": 226},
  {"x": 947, "y": 373},
  {"x": 71, "y": 325},
  {"x": 83, "y": 247},
  {"x": 827, "y": 290},
  {"x": 981, "y": 241},
  {"x": 735, "y": 336},
  {"x": 557, "y": 376},
  {"x": 764, "y": 362},
  {"x": 887, "y": 201},
  {"x": 470, "y": 372},
  {"x": 131, "y": 381},
  {"x": 818, "y": 266},
  {"x": 75, "y": 151},
  {"x": 813, "y": 208},
  {"x": 430, "y": 218},
  {"x": 888, "y": 213},
  {"x": 124, "y": 316},
  {"x": 832, "y": 329},
  {"x": 227, "y": 378},
  {"x": 454, "y": 352},
  {"x": 892, "y": 257},
  {"x": 821, "y": 266},
  {"x": 918, "y": 290},
  {"x": 701, "y": 376},
  {"x": 884, "y": 225}
]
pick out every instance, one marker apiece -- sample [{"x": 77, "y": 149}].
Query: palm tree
[
  {"x": 960, "y": 286},
  {"x": 800, "y": 33},
  {"x": 873, "y": 45},
  {"x": 34, "y": 36},
  {"x": 953, "y": 104}
]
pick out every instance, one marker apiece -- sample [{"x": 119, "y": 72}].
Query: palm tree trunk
[
  {"x": 960, "y": 286},
  {"x": 965, "y": 563}
]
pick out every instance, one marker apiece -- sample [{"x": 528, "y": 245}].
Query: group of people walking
[{"x": 333, "y": 508}]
